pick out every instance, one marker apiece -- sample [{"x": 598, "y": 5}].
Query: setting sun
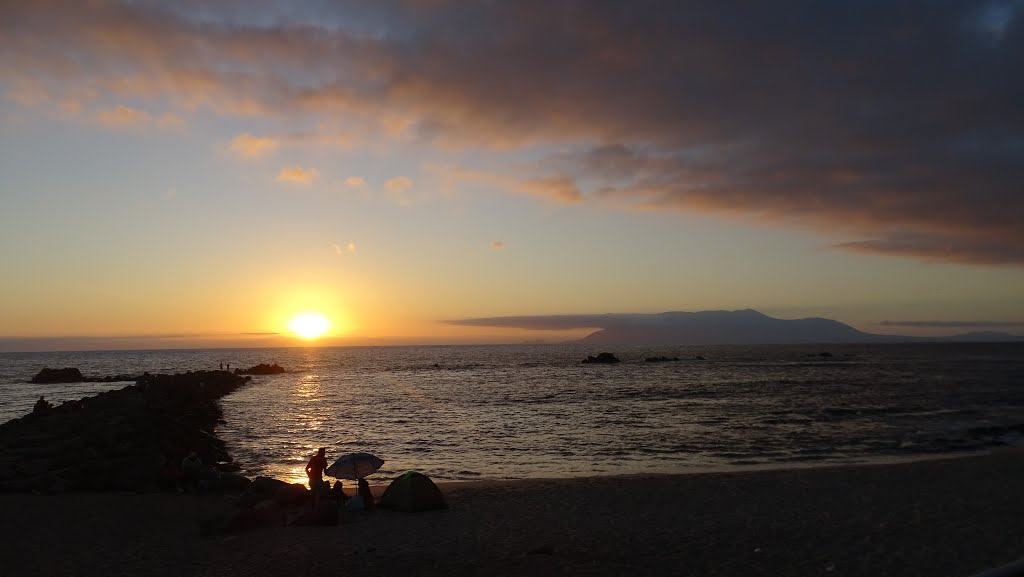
[{"x": 309, "y": 325}]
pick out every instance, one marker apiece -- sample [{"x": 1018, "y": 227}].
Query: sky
[{"x": 183, "y": 174}]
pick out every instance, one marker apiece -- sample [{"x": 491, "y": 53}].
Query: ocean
[{"x": 530, "y": 411}]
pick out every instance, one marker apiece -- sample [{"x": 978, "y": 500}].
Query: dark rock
[
  {"x": 262, "y": 369},
  {"x": 266, "y": 486},
  {"x": 602, "y": 358},
  {"x": 699, "y": 358},
  {"x": 324, "y": 513},
  {"x": 267, "y": 513},
  {"x": 228, "y": 468},
  {"x": 293, "y": 494},
  {"x": 127, "y": 439},
  {"x": 65, "y": 375},
  {"x": 661, "y": 359},
  {"x": 233, "y": 483}
]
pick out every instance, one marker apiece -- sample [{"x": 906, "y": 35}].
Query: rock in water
[
  {"x": 65, "y": 375},
  {"x": 262, "y": 369},
  {"x": 602, "y": 358}
]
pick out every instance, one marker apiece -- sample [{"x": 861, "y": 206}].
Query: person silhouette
[
  {"x": 364, "y": 492},
  {"x": 191, "y": 472},
  {"x": 315, "y": 473},
  {"x": 42, "y": 406}
]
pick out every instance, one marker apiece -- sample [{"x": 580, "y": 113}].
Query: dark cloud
[
  {"x": 570, "y": 322},
  {"x": 539, "y": 322},
  {"x": 895, "y": 125}
]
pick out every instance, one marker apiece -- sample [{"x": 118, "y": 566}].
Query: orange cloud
[
  {"x": 127, "y": 117},
  {"x": 249, "y": 146},
  {"x": 556, "y": 188},
  {"x": 398, "y": 184},
  {"x": 497, "y": 244},
  {"x": 347, "y": 248},
  {"x": 355, "y": 182},
  {"x": 297, "y": 174}
]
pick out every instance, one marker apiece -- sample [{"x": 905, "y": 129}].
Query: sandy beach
[{"x": 950, "y": 517}]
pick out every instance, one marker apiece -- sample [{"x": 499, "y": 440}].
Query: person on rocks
[
  {"x": 315, "y": 473},
  {"x": 191, "y": 471},
  {"x": 42, "y": 406}
]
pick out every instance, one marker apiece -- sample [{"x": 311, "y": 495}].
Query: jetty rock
[
  {"x": 65, "y": 375},
  {"x": 262, "y": 369},
  {"x": 601, "y": 358},
  {"x": 125, "y": 439}
]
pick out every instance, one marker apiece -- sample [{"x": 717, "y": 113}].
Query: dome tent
[{"x": 412, "y": 492}]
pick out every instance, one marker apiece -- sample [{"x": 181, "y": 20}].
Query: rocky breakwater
[{"x": 133, "y": 438}]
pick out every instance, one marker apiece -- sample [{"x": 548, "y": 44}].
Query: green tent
[{"x": 412, "y": 492}]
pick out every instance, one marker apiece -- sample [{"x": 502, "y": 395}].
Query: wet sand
[{"x": 950, "y": 517}]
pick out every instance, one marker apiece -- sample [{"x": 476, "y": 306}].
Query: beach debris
[
  {"x": 261, "y": 369},
  {"x": 411, "y": 492},
  {"x": 601, "y": 358}
]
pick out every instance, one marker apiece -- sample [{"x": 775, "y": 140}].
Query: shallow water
[{"x": 505, "y": 412}]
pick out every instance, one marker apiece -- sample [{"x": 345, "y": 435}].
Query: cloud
[
  {"x": 249, "y": 146},
  {"x": 297, "y": 174},
  {"x": 555, "y": 188},
  {"x": 347, "y": 248},
  {"x": 397, "y": 188},
  {"x": 497, "y": 244},
  {"x": 126, "y": 117},
  {"x": 356, "y": 182},
  {"x": 953, "y": 324},
  {"x": 398, "y": 184},
  {"x": 865, "y": 121},
  {"x": 552, "y": 322}
]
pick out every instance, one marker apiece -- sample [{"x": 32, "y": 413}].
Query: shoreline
[
  {"x": 938, "y": 517},
  {"x": 879, "y": 461}
]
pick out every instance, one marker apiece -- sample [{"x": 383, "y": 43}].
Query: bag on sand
[{"x": 355, "y": 503}]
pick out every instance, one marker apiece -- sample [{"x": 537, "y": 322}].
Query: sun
[{"x": 309, "y": 325}]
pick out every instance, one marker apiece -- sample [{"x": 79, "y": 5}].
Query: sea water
[{"x": 507, "y": 412}]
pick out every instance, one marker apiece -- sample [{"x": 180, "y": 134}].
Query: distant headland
[{"x": 739, "y": 327}]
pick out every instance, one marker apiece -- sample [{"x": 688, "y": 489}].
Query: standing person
[{"x": 315, "y": 472}]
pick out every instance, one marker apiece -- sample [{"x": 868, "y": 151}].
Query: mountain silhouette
[{"x": 746, "y": 327}]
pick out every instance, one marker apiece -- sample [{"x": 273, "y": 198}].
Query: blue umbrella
[{"x": 354, "y": 466}]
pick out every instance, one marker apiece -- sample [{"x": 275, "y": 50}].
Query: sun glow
[{"x": 309, "y": 325}]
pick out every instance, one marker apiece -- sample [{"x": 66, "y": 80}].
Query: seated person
[
  {"x": 364, "y": 492},
  {"x": 42, "y": 406}
]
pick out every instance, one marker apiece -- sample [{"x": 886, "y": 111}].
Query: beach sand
[{"x": 950, "y": 517}]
